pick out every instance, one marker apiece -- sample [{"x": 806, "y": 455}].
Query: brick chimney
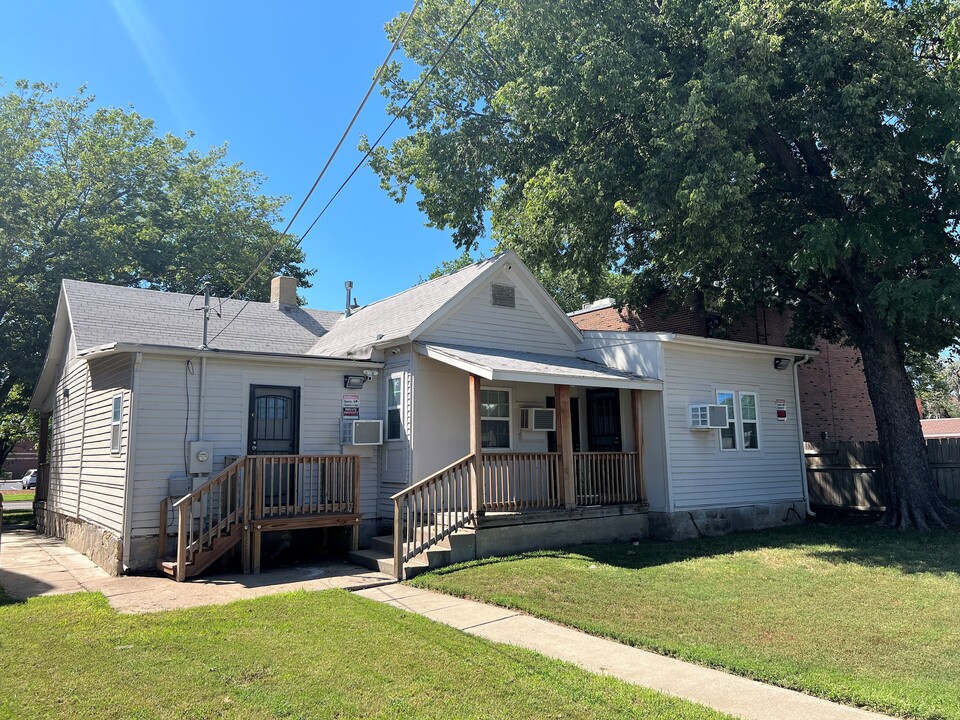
[{"x": 283, "y": 292}]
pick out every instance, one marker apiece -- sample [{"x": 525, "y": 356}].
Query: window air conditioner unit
[
  {"x": 708, "y": 417},
  {"x": 361, "y": 432},
  {"x": 538, "y": 419}
]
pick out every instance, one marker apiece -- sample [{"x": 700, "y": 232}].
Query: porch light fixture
[
  {"x": 781, "y": 363},
  {"x": 354, "y": 382}
]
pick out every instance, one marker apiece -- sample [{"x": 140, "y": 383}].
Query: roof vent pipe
[{"x": 349, "y": 286}]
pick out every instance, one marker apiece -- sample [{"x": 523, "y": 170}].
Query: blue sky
[{"x": 278, "y": 81}]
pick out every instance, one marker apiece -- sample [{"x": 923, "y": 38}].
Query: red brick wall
[{"x": 833, "y": 390}]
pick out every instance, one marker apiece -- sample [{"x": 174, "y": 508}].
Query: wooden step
[{"x": 201, "y": 560}]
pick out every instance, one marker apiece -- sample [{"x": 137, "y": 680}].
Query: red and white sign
[{"x": 781, "y": 410}]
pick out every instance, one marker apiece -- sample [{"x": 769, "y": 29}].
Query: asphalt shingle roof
[
  {"x": 394, "y": 317},
  {"x": 104, "y": 314},
  {"x": 942, "y": 427}
]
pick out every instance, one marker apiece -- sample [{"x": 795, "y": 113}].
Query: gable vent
[{"x": 504, "y": 296}]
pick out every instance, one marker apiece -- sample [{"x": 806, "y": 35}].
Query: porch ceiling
[{"x": 512, "y": 366}]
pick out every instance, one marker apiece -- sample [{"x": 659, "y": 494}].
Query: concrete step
[{"x": 383, "y": 562}]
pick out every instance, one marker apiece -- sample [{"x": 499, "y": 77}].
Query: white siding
[
  {"x": 86, "y": 477},
  {"x": 163, "y": 420},
  {"x": 475, "y": 321},
  {"x": 702, "y": 475},
  {"x": 396, "y": 455},
  {"x": 623, "y": 350}
]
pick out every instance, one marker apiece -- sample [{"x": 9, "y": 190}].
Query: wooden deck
[{"x": 254, "y": 495}]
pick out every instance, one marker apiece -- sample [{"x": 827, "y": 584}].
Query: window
[
  {"x": 728, "y": 435},
  {"x": 115, "y": 422},
  {"x": 749, "y": 422},
  {"x": 743, "y": 429},
  {"x": 394, "y": 402},
  {"x": 495, "y": 418}
]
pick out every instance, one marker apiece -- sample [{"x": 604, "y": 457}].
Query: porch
[
  {"x": 514, "y": 491},
  {"x": 253, "y": 495}
]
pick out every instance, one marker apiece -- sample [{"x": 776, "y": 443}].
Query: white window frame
[
  {"x": 116, "y": 424},
  {"x": 756, "y": 421},
  {"x": 508, "y": 419},
  {"x": 738, "y": 421},
  {"x": 398, "y": 408},
  {"x": 735, "y": 420}
]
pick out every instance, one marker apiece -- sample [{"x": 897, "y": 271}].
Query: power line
[
  {"x": 366, "y": 156},
  {"x": 396, "y": 117},
  {"x": 343, "y": 137}
]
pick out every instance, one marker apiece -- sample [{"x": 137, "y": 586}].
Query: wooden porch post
[
  {"x": 476, "y": 445},
  {"x": 637, "y": 407},
  {"x": 565, "y": 442}
]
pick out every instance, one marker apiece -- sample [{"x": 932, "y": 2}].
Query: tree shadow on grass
[{"x": 872, "y": 546}]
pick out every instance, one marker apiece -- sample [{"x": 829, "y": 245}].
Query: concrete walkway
[
  {"x": 32, "y": 565},
  {"x": 728, "y": 693}
]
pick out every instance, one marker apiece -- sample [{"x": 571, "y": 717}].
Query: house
[
  {"x": 469, "y": 416},
  {"x": 940, "y": 428},
  {"x": 834, "y": 400}
]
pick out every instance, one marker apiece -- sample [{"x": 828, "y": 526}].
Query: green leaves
[{"x": 96, "y": 194}]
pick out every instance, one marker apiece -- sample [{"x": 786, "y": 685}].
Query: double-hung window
[
  {"x": 743, "y": 426},
  {"x": 115, "y": 423},
  {"x": 495, "y": 418},
  {"x": 394, "y": 403}
]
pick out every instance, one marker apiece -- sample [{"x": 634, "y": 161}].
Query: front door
[
  {"x": 274, "y": 429},
  {"x": 603, "y": 421}
]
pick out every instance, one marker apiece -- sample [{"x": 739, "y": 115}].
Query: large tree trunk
[{"x": 912, "y": 498}]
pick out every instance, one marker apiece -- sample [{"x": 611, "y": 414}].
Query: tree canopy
[
  {"x": 97, "y": 194},
  {"x": 794, "y": 152}
]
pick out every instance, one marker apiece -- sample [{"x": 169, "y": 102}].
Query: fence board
[{"x": 849, "y": 475}]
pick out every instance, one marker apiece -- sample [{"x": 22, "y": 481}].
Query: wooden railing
[
  {"x": 293, "y": 485},
  {"x": 258, "y": 493},
  {"x": 606, "y": 478},
  {"x": 521, "y": 481},
  {"x": 208, "y": 513},
  {"x": 425, "y": 513}
]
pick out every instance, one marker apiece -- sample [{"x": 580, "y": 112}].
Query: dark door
[
  {"x": 603, "y": 421},
  {"x": 574, "y": 421},
  {"x": 274, "y": 427}
]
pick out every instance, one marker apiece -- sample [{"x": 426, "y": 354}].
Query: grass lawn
[
  {"x": 857, "y": 614},
  {"x": 301, "y": 655},
  {"x": 18, "y": 517},
  {"x": 11, "y": 495}
]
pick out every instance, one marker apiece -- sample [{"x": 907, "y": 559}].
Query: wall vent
[{"x": 504, "y": 296}]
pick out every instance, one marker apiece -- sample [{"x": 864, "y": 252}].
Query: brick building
[{"x": 833, "y": 391}]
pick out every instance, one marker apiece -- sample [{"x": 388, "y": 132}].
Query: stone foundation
[
  {"x": 504, "y": 534},
  {"x": 685, "y": 524},
  {"x": 98, "y": 544}
]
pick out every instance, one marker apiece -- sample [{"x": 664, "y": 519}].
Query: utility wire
[{"x": 366, "y": 156}]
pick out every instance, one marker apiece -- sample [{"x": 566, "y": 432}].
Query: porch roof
[{"x": 512, "y": 366}]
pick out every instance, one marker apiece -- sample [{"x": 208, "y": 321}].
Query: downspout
[
  {"x": 131, "y": 461},
  {"x": 803, "y": 458}
]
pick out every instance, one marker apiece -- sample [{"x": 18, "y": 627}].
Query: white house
[{"x": 468, "y": 416}]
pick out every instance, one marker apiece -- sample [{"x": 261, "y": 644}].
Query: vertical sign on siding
[{"x": 781, "y": 410}]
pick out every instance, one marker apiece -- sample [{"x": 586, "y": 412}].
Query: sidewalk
[
  {"x": 32, "y": 565},
  {"x": 728, "y": 693}
]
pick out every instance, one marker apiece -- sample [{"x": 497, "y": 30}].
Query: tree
[
  {"x": 796, "y": 152},
  {"x": 96, "y": 194},
  {"x": 936, "y": 383}
]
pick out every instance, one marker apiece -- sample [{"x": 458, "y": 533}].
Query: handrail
[
  {"x": 606, "y": 478},
  {"x": 521, "y": 481},
  {"x": 430, "y": 510}
]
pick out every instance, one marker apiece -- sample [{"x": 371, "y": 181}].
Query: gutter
[
  {"x": 804, "y": 485},
  {"x": 227, "y": 354},
  {"x": 131, "y": 461}
]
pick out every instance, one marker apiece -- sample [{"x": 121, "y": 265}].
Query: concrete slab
[
  {"x": 32, "y": 565},
  {"x": 728, "y": 693}
]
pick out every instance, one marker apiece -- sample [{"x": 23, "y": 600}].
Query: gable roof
[
  {"x": 941, "y": 427},
  {"x": 105, "y": 314},
  {"x": 402, "y": 317}
]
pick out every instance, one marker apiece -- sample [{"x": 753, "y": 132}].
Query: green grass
[
  {"x": 18, "y": 517},
  {"x": 860, "y": 615},
  {"x": 16, "y": 495},
  {"x": 301, "y": 655}
]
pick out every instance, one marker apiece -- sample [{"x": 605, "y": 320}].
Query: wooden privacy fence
[{"x": 849, "y": 474}]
